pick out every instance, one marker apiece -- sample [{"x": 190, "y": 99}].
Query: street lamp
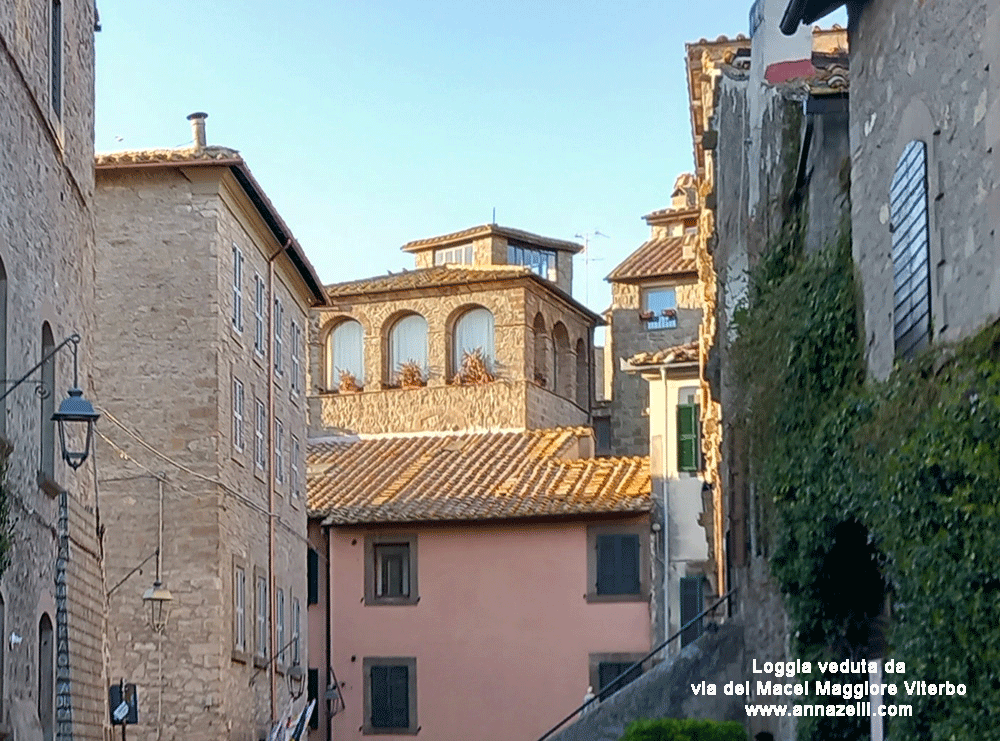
[{"x": 158, "y": 597}]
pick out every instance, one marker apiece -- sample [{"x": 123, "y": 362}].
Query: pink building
[{"x": 479, "y": 582}]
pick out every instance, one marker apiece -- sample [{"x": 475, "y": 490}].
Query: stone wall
[
  {"x": 931, "y": 74},
  {"x": 47, "y": 254}
]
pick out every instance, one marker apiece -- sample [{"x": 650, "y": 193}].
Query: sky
[{"x": 371, "y": 124}]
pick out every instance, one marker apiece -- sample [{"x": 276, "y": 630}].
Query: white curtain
[
  {"x": 408, "y": 341},
  {"x": 474, "y": 329},
  {"x": 346, "y": 353}
]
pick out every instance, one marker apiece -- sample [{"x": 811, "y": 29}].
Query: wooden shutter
[
  {"x": 312, "y": 564},
  {"x": 618, "y": 564},
  {"x": 314, "y": 695},
  {"x": 687, "y": 437},
  {"x": 691, "y": 604},
  {"x": 390, "y": 697},
  {"x": 910, "y": 251},
  {"x": 609, "y": 671}
]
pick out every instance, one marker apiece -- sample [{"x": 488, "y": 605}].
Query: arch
[
  {"x": 473, "y": 331},
  {"x": 46, "y": 427},
  {"x": 910, "y": 234},
  {"x": 541, "y": 351},
  {"x": 563, "y": 373},
  {"x": 46, "y": 677},
  {"x": 582, "y": 375},
  {"x": 407, "y": 351},
  {"x": 345, "y": 356}
]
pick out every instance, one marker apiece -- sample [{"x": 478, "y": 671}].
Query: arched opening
[
  {"x": 407, "y": 356},
  {"x": 563, "y": 372},
  {"x": 582, "y": 375},
  {"x": 472, "y": 346},
  {"x": 46, "y": 678},
  {"x": 541, "y": 352},
  {"x": 47, "y": 428},
  {"x": 910, "y": 251},
  {"x": 345, "y": 357}
]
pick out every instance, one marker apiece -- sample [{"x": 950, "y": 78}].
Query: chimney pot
[{"x": 198, "y": 129}]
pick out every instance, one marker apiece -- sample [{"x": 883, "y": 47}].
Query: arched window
[
  {"x": 47, "y": 428},
  {"x": 345, "y": 356},
  {"x": 563, "y": 372},
  {"x": 541, "y": 347},
  {"x": 910, "y": 251},
  {"x": 46, "y": 678},
  {"x": 582, "y": 375},
  {"x": 473, "y": 334},
  {"x": 408, "y": 351}
]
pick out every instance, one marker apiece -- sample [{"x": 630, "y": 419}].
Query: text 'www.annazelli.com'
[{"x": 842, "y": 710}]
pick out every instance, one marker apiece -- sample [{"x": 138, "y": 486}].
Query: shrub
[{"x": 684, "y": 729}]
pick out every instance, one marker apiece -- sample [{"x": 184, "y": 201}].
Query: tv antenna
[{"x": 587, "y": 259}]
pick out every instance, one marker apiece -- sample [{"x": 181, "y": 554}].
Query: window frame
[
  {"x": 659, "y": 321},
  {"x": 56, "y": 63},
  {"x": 595, "y": 661},
  {"x": 637, "y": 528},
  {"x": 410, "y": 662},
  {"x": 465, "y": 254},
  {"x": 240, "y": 652},
  {"x": 279, "y": 451},
  {"x": 279, "y": 629},
  {"x": 260, "y": 439},
  {"x": 371, "y": 572},
  {"x": 683, "y": 438},
  {"x": 295, "y": 361},
  {"x": 261, "y": 623},
  {"x": 239, "y": 442},
  {"x": 296, "y": 631},
  {"x": 533, "y": 258},
  {"x": 279, "y": 341},
  {"x": 294, "y": 479},
  {"x": 237, "y": 319},
  {"x": 260, "y": 331}
]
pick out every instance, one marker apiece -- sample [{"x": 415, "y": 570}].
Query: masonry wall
[
  {"x": 47, "y": 254},
  {"x": 928, "y": 73}
]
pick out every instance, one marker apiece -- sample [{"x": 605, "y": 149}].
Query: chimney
[{"x": 198, "y": 129}]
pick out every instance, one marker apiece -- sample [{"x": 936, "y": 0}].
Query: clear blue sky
[{"x": 370, "y": 124}]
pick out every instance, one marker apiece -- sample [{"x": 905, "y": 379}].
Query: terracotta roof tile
[
  {"x": 658, "y": 257},
  {"x": 469, "y": 476},
  {"x": 687, "y": 353},
  {"x": 517, "y": 235},
  {"x": 439, "y": 275},
  {"x": 212, "y": 155}
]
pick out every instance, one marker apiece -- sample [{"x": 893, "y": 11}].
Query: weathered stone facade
[
  {"x": 53, "y": 668},
  {"x": 201, "y": 419}
]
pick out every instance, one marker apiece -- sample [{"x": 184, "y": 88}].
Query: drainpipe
[
  {"x": 666, "y": 504},
  {"x": 329, "y": 649}
]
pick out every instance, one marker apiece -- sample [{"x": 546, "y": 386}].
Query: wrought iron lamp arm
[{"x": 75, "y": 339}]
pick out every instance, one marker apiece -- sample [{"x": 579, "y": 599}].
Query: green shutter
[
  {"x": 618, "y": 564},
  {"x": 692, "y": 602},
  {"x": 687, "y": 437},
  {"x": 390, "y": 697},
  {"x": 609, "y": 671}
]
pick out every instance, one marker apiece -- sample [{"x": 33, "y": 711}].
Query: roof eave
[
  {"x": 805, "y": 12},
  {"x": 672, "y": 369},
  {"x": 612, "y": 278},
  {"x": 330, "y": 520}
]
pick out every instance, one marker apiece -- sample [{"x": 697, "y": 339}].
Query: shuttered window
[
  {"x": 910, "y": 251},
  {"x": 687, "y": 437},
  {"x": 390, "y": 697},
  {"x": 609, "y": 671},
  {"x": 312, "y": 568},
  {"x": 313, "y": 693},
  {"x": 692, "y": 602},
  {"x": 392, "y": 570},
  {"x": 618, "y": 564}
]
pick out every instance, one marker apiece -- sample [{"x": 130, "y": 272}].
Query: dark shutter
[
  {"x": 314, "y": 695},
  {"x": 390, "y": 697},
  {"x": 618, "y": 564},
  {"x": 692, "y": 603},
  {"x": 312, "y": 563},
  {"x": 609, "y": 671},
  {"x": 910, "y": 250},
  {"x": 687, "y": 437}
]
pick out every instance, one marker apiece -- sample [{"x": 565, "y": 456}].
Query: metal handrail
[{"x": 601, "y": 696}]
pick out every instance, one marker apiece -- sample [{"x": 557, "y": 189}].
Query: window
[
  {"x": 47, "y": 431},
  {"x": 910, "y": 251},
  {"x": 541, "y": 262},
  {"x": 607, "y": 670},
  {"x": 540, "y": 351},
  {"x": 461, "y": 255},
  {"x": 260, "y": 449},
  {"x": 296, "y": 361},
  {"x": 692, "y": 603},
  {"x": 688, "y": 444},
  {"x": 390, "y": 695},
  {"x": 563, "y": 371},
  {"x": 391, "y": 570},
  {"x": 279, "y": 608},
  {"x": 313, "y": 694},
  {"x": 312, "y": 575},
  {"x": 617, "y": 562},
  {"x": 295, "y": 480},
  {"x": 56, "y": 57},
  {"x": 662, "y": 303},
  {"x": 279, "y": 320},
  {"x": 238, "y": 414},
  {"x": 260, "y": 623},
  {"x": 258, "y": 315},
  {"x": 296, "y": 632},
  {"x": 473, "y": 332},
  {"x": 345, "y": 358},
  {"x": 279, "y": 451},
  {"x": 46, "y": 678},
  {"x": 582, "y": 375},
  {"x": 408, "y": 351},
  {"x": 237, "y": 288},
  {"x": 239, "y": 608}
]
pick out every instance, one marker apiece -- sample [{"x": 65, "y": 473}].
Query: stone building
[
  {"x": 53, "y": 672},
  {"x": 203, "y": 297},
  {"x": 925, "y": 191},
  {"x": 483, "y": 333},
  {"x": 655, "y": 303}
]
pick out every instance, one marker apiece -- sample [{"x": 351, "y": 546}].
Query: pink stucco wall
[{"x": 502, "y": 632}]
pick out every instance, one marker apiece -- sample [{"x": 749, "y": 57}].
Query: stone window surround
[
  {"x": 239, "y": 652},
  {"x": 373, "y": 539},
  {"x": 626, "y": 528},
  {"x": 260, "y": 652},
  {"x": 595, "y": 660},
  {"x": 239, "y": 415},
  {"x": 410, "y": 663},
  {"x": 280, "y": 630}
]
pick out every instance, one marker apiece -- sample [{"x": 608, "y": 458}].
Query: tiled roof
[
  {"x": 207, "y": 155},
  {"x": 439, "y": 275},
  {"x": 687, "y": 353},
  {"x": 462, "y": 476},
  {"x": 658, "y": 257},
  {"x": 517, "y": 235}
]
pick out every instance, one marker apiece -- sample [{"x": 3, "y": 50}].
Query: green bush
[{"x": 686, "y": 729}]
